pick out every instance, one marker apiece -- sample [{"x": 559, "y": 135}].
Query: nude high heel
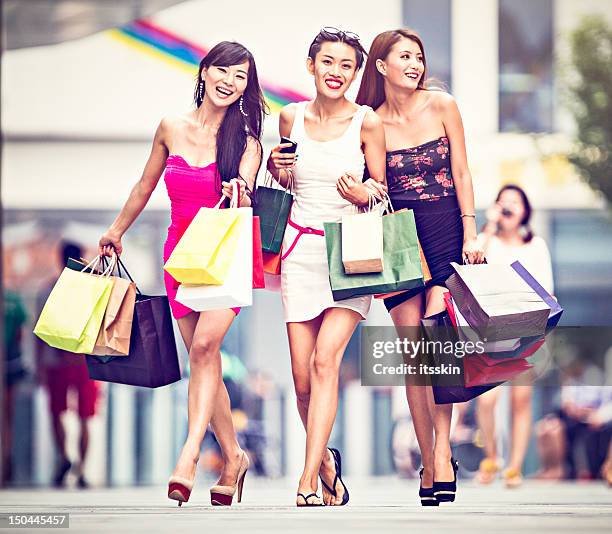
[
  {"x": 223, "y": 495},
  {"x": 179, "y": 489}
]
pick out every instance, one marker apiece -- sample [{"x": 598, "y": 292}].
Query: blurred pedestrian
[
  {"x": 62, "y": 372},
  {"x": 574, "y": 442},
  {"x": 336, "y": 140},
  {"x": 507, "y": 237},
  {"x": 15, "y": 317},
  {"x": 427, "y": 172},
  {"x": 204, "y": 152}
]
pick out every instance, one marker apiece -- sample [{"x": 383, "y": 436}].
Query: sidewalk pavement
[{"x": 382, "y": 505}]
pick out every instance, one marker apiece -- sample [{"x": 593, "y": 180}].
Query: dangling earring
[
  {"x": 244, "y": 114},
  {"x": 200, "y": 91},
  {"x": 240, "y": 102}
]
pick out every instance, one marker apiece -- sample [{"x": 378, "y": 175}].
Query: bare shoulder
[
  {"x": 371, "y": 121},
  {"x": 170, "y": 124},
  {"x": 442, "y": 101},
  {"x": 287, "y": 116}
]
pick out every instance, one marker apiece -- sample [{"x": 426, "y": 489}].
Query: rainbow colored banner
[{"x": 181, "y": 53}]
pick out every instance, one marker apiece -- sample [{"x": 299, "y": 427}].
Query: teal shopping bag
[
  {"x": 402, "y": 261},
  {"x": 273, "y": 207}
]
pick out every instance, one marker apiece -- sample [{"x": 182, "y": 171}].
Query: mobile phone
[{"x": 290, "y": 149}]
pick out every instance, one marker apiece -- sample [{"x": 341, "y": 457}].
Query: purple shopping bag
[
  {"x": 555, "y": 308},
  {"x": 439, "y": 327},
  {"x": 153, "y": 359}
]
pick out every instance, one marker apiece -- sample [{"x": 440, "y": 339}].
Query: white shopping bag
[
  {"x": 237, "y": 290},
  {"x": 466, "y": 333},
  {"x": 362, "y": 241}
]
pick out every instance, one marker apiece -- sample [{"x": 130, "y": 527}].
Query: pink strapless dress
[{"x": 189, "y": 188}]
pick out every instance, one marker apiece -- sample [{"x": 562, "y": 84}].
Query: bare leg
[
  {"x": 83, "y": 444},
  {"x": 409, "y": 313},
  {"x": 442, "y": 413},
  {"x": 204, "y": 383},
  {"x": 521, "y": 425},
  {"x": 485, "y": 415},
  {"x": 335, "y": 332},
  {"x": 221, "y": 420},
  {"x": 302, "y": 340},
  {"x": 59, "y": 436},
  {"x": 550, "y": 434}
]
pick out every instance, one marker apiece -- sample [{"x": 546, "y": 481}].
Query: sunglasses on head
[{"x": 330, "y": 30}]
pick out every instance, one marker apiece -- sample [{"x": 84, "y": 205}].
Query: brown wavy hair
[{"x": 372, "y": 88}]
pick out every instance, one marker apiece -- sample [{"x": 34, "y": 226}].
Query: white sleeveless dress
[{"x": 305, "y": 287}]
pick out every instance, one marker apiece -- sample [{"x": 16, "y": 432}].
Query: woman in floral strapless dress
[
  {"x": 427, "y": 172},
  {"x": 203, "y": 153}
]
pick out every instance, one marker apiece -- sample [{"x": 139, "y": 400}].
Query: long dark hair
[
  {"x": 372, "y": 89},
  {"x": 528, "y": 236},
  {"x": 235, "y": 127}
]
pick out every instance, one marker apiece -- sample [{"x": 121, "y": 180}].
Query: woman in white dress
[
  {"x": 335, "y": 139},
  {"x": 506, "y": 238}
]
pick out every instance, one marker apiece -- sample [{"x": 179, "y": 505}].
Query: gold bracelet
[{"x": 468, "y": 215}]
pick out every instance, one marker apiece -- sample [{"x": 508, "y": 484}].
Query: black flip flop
[
  {"x": 306, "y": 497},
  {"x": 337, "y": 478}
]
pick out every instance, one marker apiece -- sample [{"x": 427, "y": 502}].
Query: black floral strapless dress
[{"x": 420, "y": 179}]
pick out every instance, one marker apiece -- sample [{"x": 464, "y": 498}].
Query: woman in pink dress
[{"x": 203, "y": 152}]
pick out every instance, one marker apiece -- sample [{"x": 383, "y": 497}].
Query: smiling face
[
  {"x": 224, "y": 85},
  {"x": 404, "y": 65},
  {"x": 334, "y": 68}
]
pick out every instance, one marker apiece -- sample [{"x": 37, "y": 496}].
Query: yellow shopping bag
[
  {"x": 206, "y": 250},
  {"x": 73, "y": 313}
]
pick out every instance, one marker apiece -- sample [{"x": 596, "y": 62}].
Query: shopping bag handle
[
  {"x": 121, "y": 269},
  {"x": 235, "y": 200},
  {"x": 101, "y": 260},
  {"x": 120, "y": 266},
  {"x": 269, "y": 181},
  {"x": 372, "y": 202}
]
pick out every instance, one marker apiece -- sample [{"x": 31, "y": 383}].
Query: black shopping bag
[
  {"x": 449, "y": 390},
  {"x": 153, "y": 359}
]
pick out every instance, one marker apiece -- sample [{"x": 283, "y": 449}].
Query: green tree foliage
[{"x": 591, "y": 102}]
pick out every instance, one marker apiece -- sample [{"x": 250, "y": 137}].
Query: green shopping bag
[
  {"x": 273, "y": 207},
  {"x": 402, "y": 261},
  {"x": 73, "y": 313}
]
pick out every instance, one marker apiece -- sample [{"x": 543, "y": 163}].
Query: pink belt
[{"x": 301, "y": 231}]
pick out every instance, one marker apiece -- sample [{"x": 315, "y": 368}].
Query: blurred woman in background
[{"x": 507, "y": 237}]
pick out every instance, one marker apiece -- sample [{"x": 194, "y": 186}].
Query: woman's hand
[
  {"x": 281, "y": 161},
  {"x": 352, "y": 190},
  {"x": 493, "y": 214},
  {"x": 110, "y": 242},
  {"x": 473, "y": 251},
  {"x": 228, "y": 189}
]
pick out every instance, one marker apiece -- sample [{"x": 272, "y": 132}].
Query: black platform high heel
[
  {"x": 445, "y": 491},
  {"x": 426, "y": 494}
]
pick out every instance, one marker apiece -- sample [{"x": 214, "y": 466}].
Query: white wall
[{"x": 98, "y": 86}]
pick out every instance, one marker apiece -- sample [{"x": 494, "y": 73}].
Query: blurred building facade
[{"x": 79, "y": 116}]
